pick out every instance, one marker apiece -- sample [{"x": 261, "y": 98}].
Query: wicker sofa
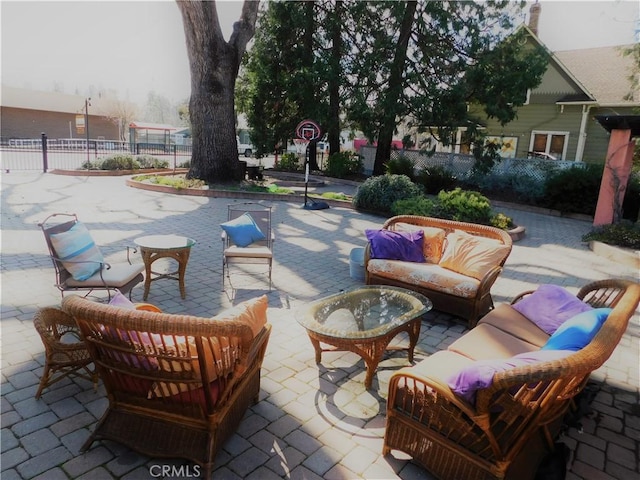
[
  {"x": 156, "y": 368},
  {"x": 510, "y": 422},
  {"x": 463, "y": 261}
]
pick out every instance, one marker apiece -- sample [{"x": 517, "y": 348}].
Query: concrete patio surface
[{"x": 312, "y": 421}]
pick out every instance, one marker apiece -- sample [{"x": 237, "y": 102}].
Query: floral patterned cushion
[{"x": 426, "y": 275}]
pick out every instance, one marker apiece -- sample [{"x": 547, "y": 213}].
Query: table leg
[
  {"x": 183, "y": 258},
  {"x": 146, "y": 259}
]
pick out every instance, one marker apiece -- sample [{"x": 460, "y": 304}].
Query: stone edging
[
  {"x": 115, "y": 173},
  {"x": 625, "y": 256},
  {"x": 217, "y": 193}
]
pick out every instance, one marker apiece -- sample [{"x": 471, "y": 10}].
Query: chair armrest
[{"x": 431, "y": 391}]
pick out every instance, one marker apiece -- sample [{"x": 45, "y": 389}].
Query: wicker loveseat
[
  {"x": 510, "y": 423},
  {"x": 177, "y": 385},
  {"x": 463, "y": 261}
]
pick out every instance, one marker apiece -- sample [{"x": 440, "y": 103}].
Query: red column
[{"x": 617, "y": 169}]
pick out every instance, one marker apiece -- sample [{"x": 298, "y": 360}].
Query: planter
[
  {"x": 622, "y": 255},
  {"x": 516, "y": 233}
]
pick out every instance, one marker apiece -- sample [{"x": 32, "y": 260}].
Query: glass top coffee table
[
  {"x": 154, "y": 247},
  {"x": 364, "y": 320}
]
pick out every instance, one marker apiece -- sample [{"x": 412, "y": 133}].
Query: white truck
[{"x": 245, "y": 149}]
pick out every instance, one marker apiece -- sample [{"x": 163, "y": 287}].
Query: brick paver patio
[{"x": 313, "y": 421}]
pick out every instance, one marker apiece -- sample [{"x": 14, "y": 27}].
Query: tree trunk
[
  {"x": 333, "y": 129},
  {"x": 214, "y": 65},
  {"x": 394, "y": 91}
]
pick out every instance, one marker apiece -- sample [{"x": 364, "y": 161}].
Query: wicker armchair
[
  {"x": 512, "y": 424},
  {"x": 65, "y": 352},
  {"x": 177, "y": 385}
]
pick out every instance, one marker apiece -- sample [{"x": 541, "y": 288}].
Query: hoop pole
[{"x": 306, "y": 173}]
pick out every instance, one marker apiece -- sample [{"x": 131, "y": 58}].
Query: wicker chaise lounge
[
  {"x": 511, "y": 424},
  {"x": 178, "y": 385}
]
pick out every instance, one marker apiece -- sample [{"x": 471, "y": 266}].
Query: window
[{"x": 551, "y": 145}]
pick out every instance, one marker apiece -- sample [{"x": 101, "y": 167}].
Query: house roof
[
  {"x": 604, "y": 72},
  {"x": 15, "y": 97}
]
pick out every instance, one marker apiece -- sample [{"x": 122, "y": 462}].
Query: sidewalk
[{"x": 312, "y": 421}]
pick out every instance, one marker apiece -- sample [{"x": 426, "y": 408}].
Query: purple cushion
[
  {"x": 550, "y": 306},
  {"x": 480, "y": 373},
  {"x": 119, "y": 300},
  {"x": 389, "y": 245},
  {"x": 578, "y": 331}
]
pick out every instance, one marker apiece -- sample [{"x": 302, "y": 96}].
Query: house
[
  {"x": 26, "y": 114},
  {"x": 558, "y": 120}
]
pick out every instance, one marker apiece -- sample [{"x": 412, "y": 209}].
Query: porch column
[{"x": 617, "y": 169}]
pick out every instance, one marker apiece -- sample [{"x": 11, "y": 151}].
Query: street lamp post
[{"x": 87, "y": 104}]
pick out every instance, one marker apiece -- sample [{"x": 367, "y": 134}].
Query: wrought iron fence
[{"x": 72, "y": 154}]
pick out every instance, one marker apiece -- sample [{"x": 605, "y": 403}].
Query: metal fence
[{"x": 72, "y": 154}]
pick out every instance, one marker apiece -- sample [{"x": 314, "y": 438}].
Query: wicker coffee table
[
  {"x": 364, "y": 321},
  {"x": 154, "y": 247}
]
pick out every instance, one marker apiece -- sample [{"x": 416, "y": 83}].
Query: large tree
[
  {"x": 430, "y": 61},
  {"x": 295, "y": 71},
  {"x": 214, "y": 64}
]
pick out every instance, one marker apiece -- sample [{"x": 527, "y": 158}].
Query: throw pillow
[
  {"x": 390, "y": 245},
  {"x": 470, "y": 255},
  {"x": 253, "y": 312},
  {"x": 433, "y": 242},
  {"x": 479, "y": 374},
  {"x": 77, "y": 251},
  {"x": 550, "y": 306},
  {"x": 119, "y": 300},
  {"x": 243, "y": 231},
  {"x": 578, "y": 331}
]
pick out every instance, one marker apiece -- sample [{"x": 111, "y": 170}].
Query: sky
[{"x": 135, "y": 47}]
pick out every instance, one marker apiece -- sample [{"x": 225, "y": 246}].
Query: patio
[{"x": 312, "y": 421}]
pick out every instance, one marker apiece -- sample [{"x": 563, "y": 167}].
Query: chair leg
[{"x": 43, "y": 380}]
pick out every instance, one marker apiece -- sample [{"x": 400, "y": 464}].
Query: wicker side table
[{"x": 154, "y": 247}]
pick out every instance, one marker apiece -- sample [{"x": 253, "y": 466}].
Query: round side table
[{"x": 153, "y": 247}]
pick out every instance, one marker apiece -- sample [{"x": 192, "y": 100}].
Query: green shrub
[
  {"x": 400, "y": 166},
  {"x": 186, "y": 164},
  {"x": 512, "y": 187},
  {"x": 344, "y": 165},
  {"x": 436, "y": 178},
  {"x": 289, "y": 162},
  {"x": 377, "y": 194},
  {"x": 464, "y": 206},
  {"x": 147, "y": 161},
  {"x": 631, "y": 203},
  {"x": 574, "y": 190},
  {"x": 95, "y": 165},
  {"x": 120, "y": 162},
  {"x": 622, "y": 234},
  {"x": 500, "y": 220},
  {"x": 421, "y": 205}
]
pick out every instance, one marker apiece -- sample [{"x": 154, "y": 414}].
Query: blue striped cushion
[{"x": 77, "y": 245}]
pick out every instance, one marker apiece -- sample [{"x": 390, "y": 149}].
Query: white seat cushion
[
  {"x": 116, "y": 276},
  {"x": 248, "y": 252}
]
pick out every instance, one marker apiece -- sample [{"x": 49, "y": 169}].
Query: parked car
[
  {"x": 245, "y": 149},
  {"x": 544, "y": 156}
]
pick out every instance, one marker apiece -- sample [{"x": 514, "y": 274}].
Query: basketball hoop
[{"x": 301, "y": 145}]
